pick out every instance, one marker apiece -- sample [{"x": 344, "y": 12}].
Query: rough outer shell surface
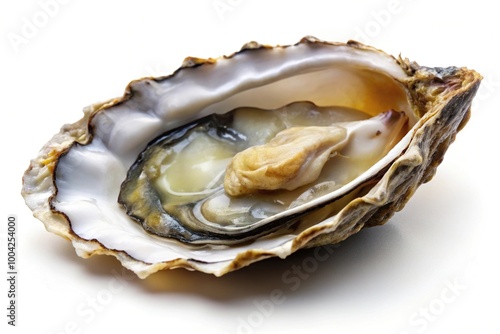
[{"x": 113, "y": 133}]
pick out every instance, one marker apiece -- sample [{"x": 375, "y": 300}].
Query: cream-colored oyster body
[{"x": 74, "y": 184}]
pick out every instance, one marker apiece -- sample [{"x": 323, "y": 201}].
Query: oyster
[{"x": 241, "y": 158}]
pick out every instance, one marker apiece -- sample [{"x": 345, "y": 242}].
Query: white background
[{"x": 432, "y": 269}]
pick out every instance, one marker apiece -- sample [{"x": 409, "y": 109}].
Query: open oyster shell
[{"x": 73, "y": 185}]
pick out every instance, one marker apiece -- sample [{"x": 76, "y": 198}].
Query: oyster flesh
[{"x": 233, "y": 160}]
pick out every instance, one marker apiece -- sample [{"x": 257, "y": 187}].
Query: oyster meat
[
  {"x": 211, "y": 181},
  {"x": 258, "y": 154}
]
